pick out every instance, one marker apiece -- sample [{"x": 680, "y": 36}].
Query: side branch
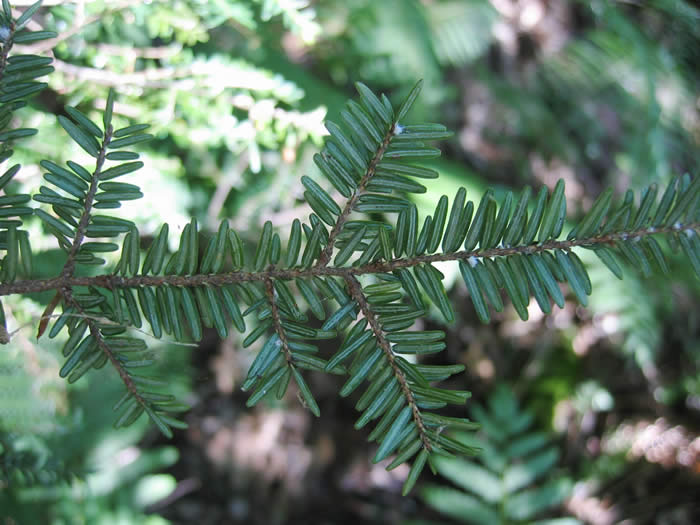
[
  {"x": 65, "y": 289},
  {"x": 356, "y": 293},
  {"x": 107, "y": 351},
  {"x": 89, "y": 199},
  {"x": 325, "y": 256},
  {"x": 277, "y": 321},
  {"x": 77, "y": 27}
]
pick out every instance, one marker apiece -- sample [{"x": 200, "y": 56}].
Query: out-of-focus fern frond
[
  {"x": 461, "y": 31},
  {"x": 516, "y": 480},
  {"x": 26, "y": 461}
]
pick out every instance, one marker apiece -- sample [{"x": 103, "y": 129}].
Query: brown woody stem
[
  {"x": 115, "y": 281},
  {"x": 277, "y": 321}
]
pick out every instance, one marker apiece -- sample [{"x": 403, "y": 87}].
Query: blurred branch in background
[{"x": 80, "y": 21}]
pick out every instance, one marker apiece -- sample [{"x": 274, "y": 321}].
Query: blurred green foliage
[{"x": 60, "y": 459}]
